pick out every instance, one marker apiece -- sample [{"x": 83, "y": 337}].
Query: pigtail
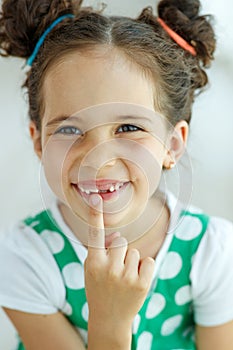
[
  {"x": 183, "y": 17},
  {"x": 22, "y": 22}
]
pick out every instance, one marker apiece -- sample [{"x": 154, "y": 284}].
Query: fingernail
[{"x": 94, "y": 199}]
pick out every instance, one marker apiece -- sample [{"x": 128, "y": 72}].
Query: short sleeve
[
  {"x": 212, "y": 275},
  {"x": 30, "y": 279}
]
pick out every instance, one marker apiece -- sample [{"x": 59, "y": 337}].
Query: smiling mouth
[{"x": 112, "y": 192}]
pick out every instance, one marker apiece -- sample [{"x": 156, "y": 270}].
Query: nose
[
  {"x": 101, "y": 150},
  {"x": 99, "y": 156}
]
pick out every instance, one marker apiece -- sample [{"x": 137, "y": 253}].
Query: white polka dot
[
  {"x": 34, "y": 223},
  {"x": 183, "y": 295},
  {"x": 67, "y": 309},
  {"x": 73, "y": 274},
  {"x": 171, "y": 266},
  {"x": 84, "y": 334},
  {"x": 145, "y": 341},
  {"x": 189, "y": 228},
  {"x": 155, "y": 305},
  {"x": 170, "y": 325},
  {"x": 136, "y": 323},
  {"x": 54, "y": 240},
  {"x": 85, "y": 312}
]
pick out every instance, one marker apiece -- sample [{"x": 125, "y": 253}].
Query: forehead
[{"x": 81, "y": 80}]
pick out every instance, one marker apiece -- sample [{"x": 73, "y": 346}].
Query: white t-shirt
[{"x": 31, "y": 280}]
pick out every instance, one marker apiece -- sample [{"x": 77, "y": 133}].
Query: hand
[{"x": 116, "y": 280}]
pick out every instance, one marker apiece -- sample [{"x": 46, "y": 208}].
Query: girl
[{"x": 116, "y": 262}]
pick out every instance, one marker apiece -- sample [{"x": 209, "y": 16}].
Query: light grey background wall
[{"x": 210, "y": 145}]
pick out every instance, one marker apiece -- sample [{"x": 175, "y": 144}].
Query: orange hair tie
[{"x": 177, "y": 38}]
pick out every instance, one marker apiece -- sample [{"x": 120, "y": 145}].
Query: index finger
[{"x": 96, "y": 234}]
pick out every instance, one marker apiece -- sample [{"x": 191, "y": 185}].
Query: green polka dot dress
[{"x": 166, "y": 319}]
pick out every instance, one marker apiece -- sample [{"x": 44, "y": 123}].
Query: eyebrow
[
  {"x": 72, "y": 118},
  {"x": 61, "y": 119}
]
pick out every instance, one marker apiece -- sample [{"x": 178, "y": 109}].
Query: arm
[
  {"x": 47, "y": 332},
  {"x": 108, "y": 335},
  {"x": 215, "y": 338},
  {"x": 55, "y": 332}
]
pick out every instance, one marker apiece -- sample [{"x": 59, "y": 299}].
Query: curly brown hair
[{"x": 178, "y": 76}]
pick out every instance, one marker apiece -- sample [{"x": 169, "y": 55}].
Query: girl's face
[{"x": 100, "y": 132}]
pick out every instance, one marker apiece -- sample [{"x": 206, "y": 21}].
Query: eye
[
  {"x": 68, "y": 130},
  {"x": 129, "y": 128}
]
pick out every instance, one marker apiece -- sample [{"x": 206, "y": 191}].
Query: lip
[
  {"x": 101, "y": 184},
  {"x": 105, "y": 196}
]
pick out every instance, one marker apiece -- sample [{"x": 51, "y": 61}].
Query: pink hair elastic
[{"x": 177, "y": 38}]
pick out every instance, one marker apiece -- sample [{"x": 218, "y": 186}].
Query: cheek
[
  {"x": 145, "y": 164},
  {"x": 54, "y": 160}
]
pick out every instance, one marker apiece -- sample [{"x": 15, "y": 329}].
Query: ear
[
  {"x": 177, "y": 143},
  {"x": 35, "y": 135}
]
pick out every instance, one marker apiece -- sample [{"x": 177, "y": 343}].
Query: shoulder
[
  {"x": 190, "y": 221},
  {"x": 217, "y": 242},
  {"x": 22, "y": 240},
  {"x": 212, "y": 274},
  {"x": 209, "y": 240},
  {"x": 220, "y": 229},
  {"x": 28, "y": 264}
]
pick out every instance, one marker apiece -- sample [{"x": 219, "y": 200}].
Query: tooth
[{"x": 111, "y": 189}]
